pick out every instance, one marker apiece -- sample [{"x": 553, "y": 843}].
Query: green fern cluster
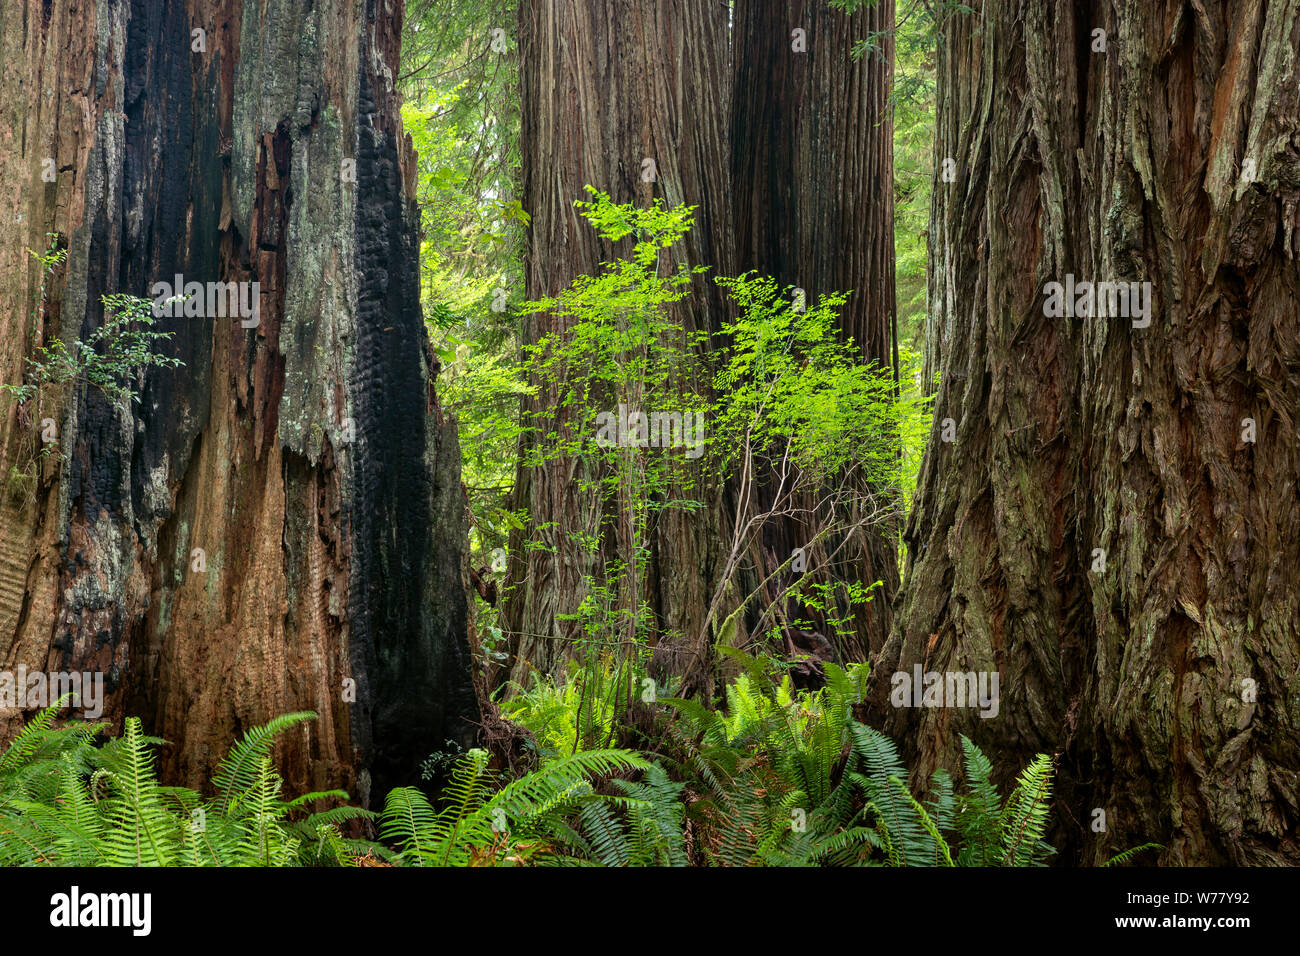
[
  {"x": 66, "y": 802},
  {"x": 782, "y": 779},
  {"x": 778, "y": 777},
  {"x": 795, "y": 781},
  {"x": 551, "y": 816},
  {"x": 585, "y": 710}
]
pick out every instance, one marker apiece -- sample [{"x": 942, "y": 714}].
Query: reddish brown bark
[
  {"x": 605, "y": 87},
  {"x": 1074, "y": 434},
  {"x": 306, "y": 457}
]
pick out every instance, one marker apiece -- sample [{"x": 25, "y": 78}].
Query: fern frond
[
  {"x": 1119, "y": 859},
  {"x": 1025, "y": 817},
  {"x": 140, "y": 830},
  {"x": 408, "y": 820},
  {"x": 240, "y": 770}
]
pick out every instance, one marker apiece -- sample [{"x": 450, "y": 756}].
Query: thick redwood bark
[
  {"x": 606, "y": 86},
  {"x": 307, "y": 457},
  {"x": 812, "y": 161},
  {"x": 1075, "y": 434}
]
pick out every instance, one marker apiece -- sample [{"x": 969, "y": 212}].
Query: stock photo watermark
[
  {"x": 214, "y": 300},
  {"x": 1100, "y": 300},
  {"x": 636, "y": 429},
  {"x": 38, "y": 690},
  {"x": 946, "y": 689}
]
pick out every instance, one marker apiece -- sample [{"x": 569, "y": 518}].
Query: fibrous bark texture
[
  {"x": 606, "y": 87},
  {"x": 812, "y": 175},
  {"x": 800, "y": 157},
  {"x": 306, "y": 457},
  {"x": 1151, "y": 141}
]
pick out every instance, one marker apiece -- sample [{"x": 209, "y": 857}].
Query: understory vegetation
[{"x": 778, "y": 777}]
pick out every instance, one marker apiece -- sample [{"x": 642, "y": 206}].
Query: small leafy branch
[
  {"x": 22, "y": 479},
  {"x": 621, "y": 346},
  {"x": 122, "y": 345},
  {"x": 783, "y": 393},
  {"x": 51, "y": 259}
]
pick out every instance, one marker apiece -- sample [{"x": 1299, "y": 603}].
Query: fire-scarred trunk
[{"x": 280, "y": 517}]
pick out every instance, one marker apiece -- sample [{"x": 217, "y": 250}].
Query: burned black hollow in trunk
[{"x": 408, "y": 624}]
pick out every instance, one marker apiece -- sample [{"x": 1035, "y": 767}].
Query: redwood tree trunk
[
  {"x": 813, "y": 176},
  {"x": 307, "y": 457},
  {"x": 1161, "y": 681},
  {"x": 605, "y": 87}
]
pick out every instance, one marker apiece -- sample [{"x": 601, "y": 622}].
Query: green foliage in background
[
  {"x": 461, "y": 108},
  {"x": 787, "y": 384},
  {"x": 776, "y": 382}
]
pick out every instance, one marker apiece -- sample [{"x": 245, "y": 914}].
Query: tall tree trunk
[
  {"x": 1161, "y": 677},
  {"x": 812, "y": 168},
  {"x": 605, "y": 87},
  {"x": 306, "y": 457}
]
